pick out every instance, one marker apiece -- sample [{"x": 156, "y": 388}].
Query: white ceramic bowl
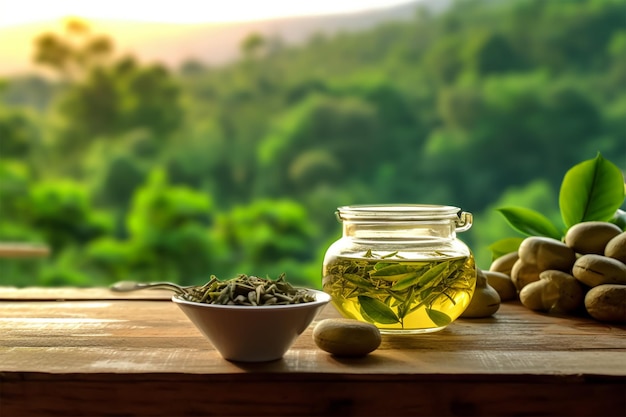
[{"x": 253, "y": 333}]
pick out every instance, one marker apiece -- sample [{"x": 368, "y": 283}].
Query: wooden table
[{"x": 86, "y": 352}]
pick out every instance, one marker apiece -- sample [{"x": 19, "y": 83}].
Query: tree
[
  {"x": 326, "y": 126},
  {"x": 117, "y": 99},
  {"x": 489, "y": 52},
  {"x": 105, "y": 96},
  {"x": 19, "y": 134},
  {"x": 267, "y": 237},
  {"x": 252, "y": 46},
  {"x": 62, "y": 212},
  {"x": 75, "y": 53},
  {"x": 494, "y": 133},
  {"x": 169, "y": 235}
]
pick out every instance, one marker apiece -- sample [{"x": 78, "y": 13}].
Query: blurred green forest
[{"x": 130, "y": 170}]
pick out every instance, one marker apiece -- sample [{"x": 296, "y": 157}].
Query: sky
[{"x": 18, "y": 12}]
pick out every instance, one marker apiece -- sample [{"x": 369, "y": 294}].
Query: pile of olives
[{"x": 586, "y": 272}]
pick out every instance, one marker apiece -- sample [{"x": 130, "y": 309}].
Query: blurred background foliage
[{"x": 130, "y": 170}]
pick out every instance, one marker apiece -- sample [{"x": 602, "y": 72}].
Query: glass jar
[{"x": 401, "y": 267}]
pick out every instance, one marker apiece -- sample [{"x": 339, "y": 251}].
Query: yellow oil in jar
[{"x": 400, "y": 295}]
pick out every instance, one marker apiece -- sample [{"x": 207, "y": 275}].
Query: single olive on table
[
  {"x": 346, "y": 337},
  {"x": 606, "y": 303},
  {"x": 485, "y": 301}
]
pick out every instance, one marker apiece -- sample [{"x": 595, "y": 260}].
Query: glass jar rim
[{"x": 390, "y": 212}]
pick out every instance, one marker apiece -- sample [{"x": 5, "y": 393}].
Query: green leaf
[
  {"x": 377, "y": 310},
  {"x": 439, "y": 318},
  {"x": 434, "y": 272},
  {"x": 405, "y": 306},
  {"x": 529, "y": 222},
  {"x": 406, "y": 282},
  {"x": 505, "y": 246},
  {"x": 592, "y": 190},
  {"x": 392, "y": 272},
  {"x": 390, "y": 269},
  {"x": 357, "y": 280},
  {"x": 420, "y": 279}
]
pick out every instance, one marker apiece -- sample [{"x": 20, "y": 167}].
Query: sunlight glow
[{"x": 180, "y": 11}]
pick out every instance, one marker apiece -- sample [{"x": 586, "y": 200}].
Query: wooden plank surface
[
  {"x": 97, "y": 354},
  {"x": 155, "y": 336}
]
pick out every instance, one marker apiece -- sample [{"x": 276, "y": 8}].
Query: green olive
[
  {"x": 503, "y": 284},
  {"x": 346, "y": 337},
  {"x": 485, "y": 301},
  {"x": 504, "y": 264},
  {"x": 607, "y": 302},
  {"x": 556, "y": 292},
  {"x": 523, "y": 274},
  {"x": 616, "y": 248},
  {"x": 593, "y": 270},
  {"x": 546, "y": 253},
  {"x": 591, "y": 237}
]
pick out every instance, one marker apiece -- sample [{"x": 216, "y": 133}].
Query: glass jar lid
[{"x": 405, "y": 213}]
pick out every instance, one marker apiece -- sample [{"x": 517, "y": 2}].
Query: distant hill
[{"x": 213, "y": 44}]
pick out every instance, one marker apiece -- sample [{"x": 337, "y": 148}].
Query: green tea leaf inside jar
[{"x": 401, "y": 267}]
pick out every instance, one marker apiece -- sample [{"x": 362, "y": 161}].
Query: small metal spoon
[{"x": 125, "y": 286}]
